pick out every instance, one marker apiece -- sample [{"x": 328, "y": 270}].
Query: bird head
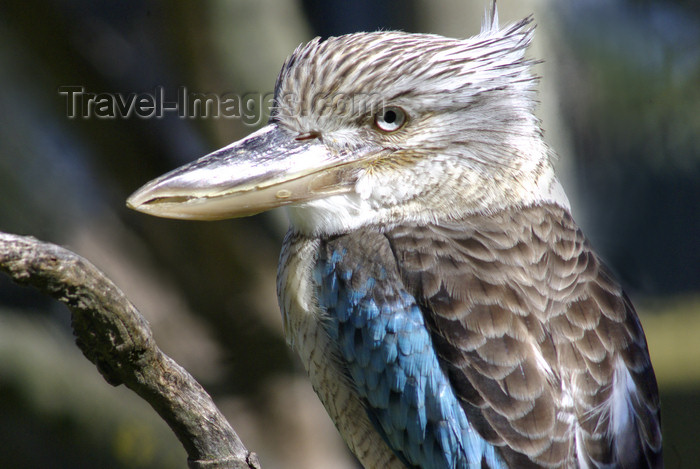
[{"x": 382, "y": 127}]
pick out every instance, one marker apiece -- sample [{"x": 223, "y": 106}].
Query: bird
[{"x": 449, "y": 311}]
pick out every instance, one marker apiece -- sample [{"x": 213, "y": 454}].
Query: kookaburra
[{"x": 449, "y": 311}]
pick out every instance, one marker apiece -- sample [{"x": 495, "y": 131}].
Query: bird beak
[{"x": 270, "y": 168}]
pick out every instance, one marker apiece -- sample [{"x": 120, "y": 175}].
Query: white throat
[{"x": 379, "y": 204}]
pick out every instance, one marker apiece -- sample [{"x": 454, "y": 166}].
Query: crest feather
[{"x": 490, "y": 22}]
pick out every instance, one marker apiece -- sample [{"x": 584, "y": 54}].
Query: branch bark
[{"x": 114, "y": 336}]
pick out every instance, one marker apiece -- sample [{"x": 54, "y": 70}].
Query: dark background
[{"x": 620, "y": 104}]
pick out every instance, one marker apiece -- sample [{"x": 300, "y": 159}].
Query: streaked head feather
[
  {"x": 393, "y": 67},
  {"x": 471, "y": 133}
]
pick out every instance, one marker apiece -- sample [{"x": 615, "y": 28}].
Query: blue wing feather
[
  {"x": 390, "y": 359},
  {"x": 533, "y": 358}
]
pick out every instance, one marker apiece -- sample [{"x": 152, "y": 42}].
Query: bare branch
[{"x": 115, "y": 336}]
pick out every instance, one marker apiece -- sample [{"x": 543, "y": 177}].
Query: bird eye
[{"x": 390, "y": 119}]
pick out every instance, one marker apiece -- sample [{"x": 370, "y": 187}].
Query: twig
[{"x": 114, "y": 336}]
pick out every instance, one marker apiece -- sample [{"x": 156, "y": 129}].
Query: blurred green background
[{"x": 620, "y": 105}]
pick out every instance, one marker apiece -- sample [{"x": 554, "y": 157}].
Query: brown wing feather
[{"x": 531, "y": 328}]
